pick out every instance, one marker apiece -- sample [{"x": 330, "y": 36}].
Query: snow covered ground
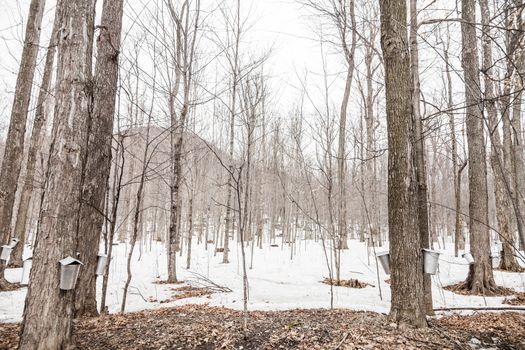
[{"x": 276, "y": 282}]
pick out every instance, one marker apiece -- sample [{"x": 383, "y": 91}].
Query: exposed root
[
  {"x": 463, "y": 289},
  {"x": 511, "y": 268},
  {"x": 6, "y": 286}
]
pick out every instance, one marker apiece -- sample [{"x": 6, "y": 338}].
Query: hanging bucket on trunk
[
  {"x": 468, "y": 256},
  {"x": 6, "y": 252},
  {"x": 384, "y": 259},
  {"x": 102, "y": 261},
  {"x": 430, "y": 261},
  {"x": 13, "y": 243},
  {"x": 496, "y": 259},
  {"x": 28, "y": 263},
  {"x": 69, "y": 270}
]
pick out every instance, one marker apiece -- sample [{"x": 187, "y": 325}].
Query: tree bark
[
  {"x": 420, "y": 151},
  {"x": 14, "y": 144},
  {"x": 39, "y": 124},
  {"x": 48, "y": 312},
  {"x": 480, "y": 278},
  {"x": 503, "y": 205},
  {"x": 98, "y": 163},
  {"x": 408, "y": 304},
  {"x": 341, "y": 151},
  {"x": 459, "y": 239}
]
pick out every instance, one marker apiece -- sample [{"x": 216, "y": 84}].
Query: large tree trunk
[
  {"x": 36, "y": 141},
  {"x": 408, "y": 304},
  {"x": 98, "y": 163},
  {"x": 48, "y": 310},
  {"x": 14, "y": 144},
  {"x": 420, "y": 151},
  {"x": 480, "y": 278}
]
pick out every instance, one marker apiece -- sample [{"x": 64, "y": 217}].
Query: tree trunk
[
  {"x": 459, "y": 239},
  {"x": 420, "y": 151},
  {"x": 48, "y": 310},
  {"x": 408, "y": 303},
  {"x": 14, "y": 144},
  {"x": 117, "y": 190},
  {"x": 190, "y": 232},
  {"x": 503, "y": 205},
  {"x": 341, "y": 152},
  {"x": 39, "y": 124},
  {"x": 480, "y": 278},
  {"x": 98, "y": 163}
]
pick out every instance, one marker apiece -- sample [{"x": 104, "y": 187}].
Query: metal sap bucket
[
  {"x": 6, "y": 252},
  {"x": 430, "y": 261},
  {"x": 468, "y": 256},
  {"x": 102, "y": 261},
  {"x": 384, "y": 259},
  {"x": 496, "y": 259},
  {"x": 28, "y": 263},
  {"x": 13, "y": 242},
  {"x": 69, "y": 270}
]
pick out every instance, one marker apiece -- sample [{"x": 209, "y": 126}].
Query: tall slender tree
[
  {"x": 37, "y": 134},
  {"x": 480, "y": 278},
  {"x": 408, "y": 304},
  {"x": 98, "y": 162},
  {"x": 14, "y": 144}
]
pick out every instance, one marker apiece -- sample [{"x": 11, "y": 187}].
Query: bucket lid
[
  {"x": 431, "y": 251},
  {"x": 70, "y": 261},
  {"x": 102, "y": 255},
  {"x": 28, "y": 258},
  {"x": 13, "y": 242},
  {"x": 382, "y": 253},
  {"x": 7, "y": 246}
]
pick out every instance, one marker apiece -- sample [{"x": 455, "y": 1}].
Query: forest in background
[{"x": 165, "y": 122}]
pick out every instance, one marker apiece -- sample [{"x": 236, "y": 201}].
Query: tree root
[{"x": 489, "y": 291}]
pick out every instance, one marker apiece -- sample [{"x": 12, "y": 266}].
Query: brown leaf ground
[{"x": 203, "y": 327}]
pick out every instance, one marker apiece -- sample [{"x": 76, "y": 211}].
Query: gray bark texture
[
  {"x": 480, "y": 278},
  {"x": 408, "y": 304},
  {"x": 48, "y": 312},
  {"x": 14, "y": 145},
  {"x": 98, "y": 162}
]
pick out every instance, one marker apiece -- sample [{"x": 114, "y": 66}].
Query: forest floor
[{"x": 203, "y": 327}]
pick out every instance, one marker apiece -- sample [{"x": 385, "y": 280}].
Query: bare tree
[
  {"x": 37, "y": 135},
  {"x": 186, "y": 20},
  {"x": 48, "y": 312},
  {"x": 14, "y": 149},
  {"x": 480, "y": 278},
  {"x": 98, "y": 162},
  {"x": 408, "y": 304}
]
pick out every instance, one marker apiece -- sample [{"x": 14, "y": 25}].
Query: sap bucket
[
  {"x": 13, "y": 243},
  {"x": 384, "y": 259},
  {"x": 28, "y": 263},
  {"x": 496, "y": 259},
  {"x": 102, "y": 261},
  {"x": 468, "y": 256},
  {"x": 6, "y": 252},
  {"x": 430, "y": 261},
  {"x": 69, "y": 270}
]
